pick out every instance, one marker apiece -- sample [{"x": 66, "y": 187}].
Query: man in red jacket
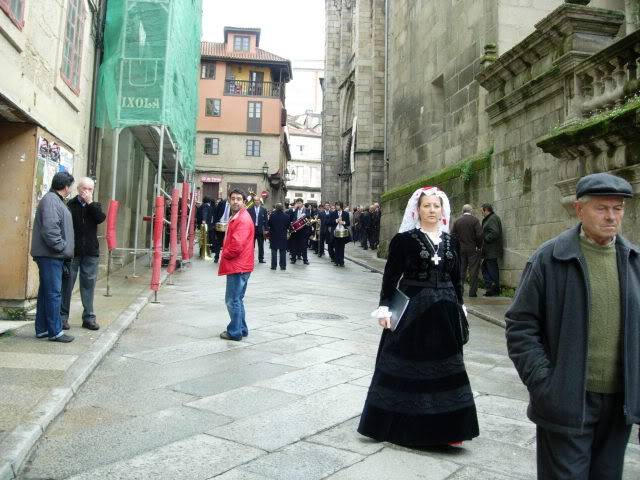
[{"x": 236, "y": 263}]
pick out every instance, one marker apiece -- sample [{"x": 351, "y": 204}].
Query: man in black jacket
[
  {"x": 259, "y": 216},
  {"x": 491, "y": 250},
  {"x": 86, "y": 215},
  {"x": 573, "y": 334},
  {"x": 299, "y": 239}
]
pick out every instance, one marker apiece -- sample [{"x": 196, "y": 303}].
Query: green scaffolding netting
[{"x": 149, "y": 72}]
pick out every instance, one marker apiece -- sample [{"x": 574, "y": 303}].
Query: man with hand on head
[
  {"x": 86, "y": 215},
  {"x": 573, "y": 334}
]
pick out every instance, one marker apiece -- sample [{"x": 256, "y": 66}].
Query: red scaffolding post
[
  {"x": 184, "y": 246},
  {"x": 173, "y": 235},
  {"x": 158, "y": 232},
  {"x": 111, "y": 236},
  {"x": 192, "y": 223}
]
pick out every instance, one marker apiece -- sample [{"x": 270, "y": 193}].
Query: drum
[
  {"x": 299, "y": 224},
  {"x": 221, "y": 227},
  {"x": 341, "y": 233}
]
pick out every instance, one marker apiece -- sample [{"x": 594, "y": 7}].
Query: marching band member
[
  {"x": 299, "y": 239},
  {"x": 340, "y": 219},
  {"x": 220, "y": 218}
]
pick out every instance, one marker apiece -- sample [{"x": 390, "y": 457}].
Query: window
[
  {"x": 301, "y": 147},
  {"x": 253, "y": 148},
  {"x": 240, "y": 43},
  {"x": 254, "y": 117},
  {"x": 72, "y": 48},
  {"x": 298, "y": 195},
  {"x": 14, "y": 10},
  {"x": 213, "y": 107},
  {"x": 211, "y": 146},
  {"x": 313, "y": 195},
  {"x": 208, "y": 70}
]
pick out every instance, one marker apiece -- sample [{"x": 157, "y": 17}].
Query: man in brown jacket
[{"x": 468, "y": 231}]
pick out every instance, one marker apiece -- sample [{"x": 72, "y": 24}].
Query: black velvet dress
[{"x": 420, "y": 393}]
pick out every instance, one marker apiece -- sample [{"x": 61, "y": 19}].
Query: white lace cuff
[
  {"x": 464, "y": 309},
  {"x": 381, "y": 312}
]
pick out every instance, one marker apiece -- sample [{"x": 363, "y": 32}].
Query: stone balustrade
[{"x": 607, "y": 79}]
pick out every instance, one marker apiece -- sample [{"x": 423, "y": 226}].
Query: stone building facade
[
  {"x": 47, "y": 54},
  {"x": 509, "y": 102},
  {"x": 353, "y": 107}
]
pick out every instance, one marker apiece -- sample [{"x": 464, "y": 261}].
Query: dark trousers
[
  {"x": 364, "y": 238},
  {"x": 470, "y": 263},
  {"x": 217, "y": 244},
  {"x": 259, "y": 238},
  {"x": 88, "y": 268},
  {"x": 299, "y": 242},
  {"x": 491, "y": 274},
  {"x": 595, "y": 454},
  {"x": 331, "y": 242},
  {"x": 339, "y": 244},
  {"x": 373, "y": 238},
  {"x": 283, "y": 257},
  {"x": 321, "y": 241},
  {"x": 48, "y": 322}
]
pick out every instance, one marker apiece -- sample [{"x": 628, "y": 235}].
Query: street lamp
[
  {"x": 265, "y": 170},
  {"x": 293, "y": 174},
  {"x": 287, "y": 175}
]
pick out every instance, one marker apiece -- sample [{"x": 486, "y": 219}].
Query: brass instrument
[
  {"x": 251, "y": 199},
  {"x": 221, "y": 227},
  {"x": 315, "y": 225},
  {"x": 204, "y": 242}
]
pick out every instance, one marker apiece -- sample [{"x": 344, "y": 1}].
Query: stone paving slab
[
  {"x": 346, "y": 437},
  {"x": 308, "y": 357},
  {"x": 302, "y": 460},
  {"x": 313, "y": 379},
  {"x": 391, "y": 463},
  {"x": 85, "y": 449},
  {"x": 241, "y": 401},
  {"x": 317, "y": 412},
  {"x": 231, "y": 379},
  {"x": 196, "y": 458},
  {"x": 10, "y": 325},
  {"x": 185, "y": 351},
  {"x": 294, "y": 344},
  {"x": 37, "y": 361}
]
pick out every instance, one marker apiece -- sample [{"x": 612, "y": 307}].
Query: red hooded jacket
[{"x": 237, "y": 249}]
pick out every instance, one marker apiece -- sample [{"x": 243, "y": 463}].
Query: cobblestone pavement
[{"x": 173, "y": 401}]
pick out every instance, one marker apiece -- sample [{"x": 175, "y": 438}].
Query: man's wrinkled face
[
  {"x": 236, "y": 202},
  {"x": 601, "y": 217}
]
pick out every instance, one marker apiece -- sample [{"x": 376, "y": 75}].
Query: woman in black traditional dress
[{"x": 420, "y": 393}]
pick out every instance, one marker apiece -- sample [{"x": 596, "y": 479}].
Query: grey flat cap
[{"x": 603, "y": 184}]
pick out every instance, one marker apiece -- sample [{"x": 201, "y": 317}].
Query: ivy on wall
[{"x": 464, "y": 169}]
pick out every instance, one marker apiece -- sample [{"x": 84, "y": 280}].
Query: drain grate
[{"x": 320, "y": 316}]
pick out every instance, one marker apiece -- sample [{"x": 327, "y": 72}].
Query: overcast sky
[{"x": 293, "y": 29}]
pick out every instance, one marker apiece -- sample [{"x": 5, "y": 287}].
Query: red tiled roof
[{"x": 217, "y": 50}]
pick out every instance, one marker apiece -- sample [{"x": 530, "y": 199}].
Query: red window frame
[
  {"x": 72, "y": 48},
  {"x": 16, "y": 17}
]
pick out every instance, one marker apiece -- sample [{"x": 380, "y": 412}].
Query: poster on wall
[{"x": 52, "y": 158}]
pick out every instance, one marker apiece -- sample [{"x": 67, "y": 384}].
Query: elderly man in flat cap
[{"x": 573, "y": 333}]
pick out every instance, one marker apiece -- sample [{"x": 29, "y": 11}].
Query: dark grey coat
[
  {"x": 547, "y": 331},
  {"x": 52, "y": 228},
  {"x": 492, "y": 233}
]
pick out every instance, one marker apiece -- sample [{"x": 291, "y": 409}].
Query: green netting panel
[{"x": 149, "y": 73}]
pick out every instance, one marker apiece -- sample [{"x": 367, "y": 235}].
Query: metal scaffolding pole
[{"x": 159, "y": 185}]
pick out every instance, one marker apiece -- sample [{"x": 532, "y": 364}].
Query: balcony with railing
[{"x": 244, "y": 88}]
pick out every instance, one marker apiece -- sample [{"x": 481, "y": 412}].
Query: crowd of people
[{"x": 293, "y": 228}]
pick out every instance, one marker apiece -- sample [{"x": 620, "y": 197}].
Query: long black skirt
[{"x": 420, "y": 393}]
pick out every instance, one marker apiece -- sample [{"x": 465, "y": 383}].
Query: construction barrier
[
  {"x": 112, "y": 223},
  {"x": 192, "y": 225},
  {"x": 158, "y": 232},
  {"x": 184, "y": 246},
  {"x": 173, "y": 235}
]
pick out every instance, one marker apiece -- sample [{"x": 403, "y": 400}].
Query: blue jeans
[
  {"x": 236, "y": 286},
  {"x": 491, "y": 274},
  {"x": 48, "y": 322},
  {"x": 88, "y": 267}
]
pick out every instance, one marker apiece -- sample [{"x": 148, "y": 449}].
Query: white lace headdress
[{"x": 411, "y": 219}]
